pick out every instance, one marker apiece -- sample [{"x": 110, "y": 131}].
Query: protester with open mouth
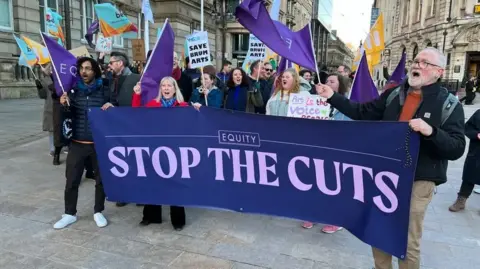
[
  {"x": 287, "y": 83},
  {"x": 169, "y": 96},
  {"x": 435, "y": 115},
  {"x": 89, "y": 92},
  {"x": 241, "y": 96}
]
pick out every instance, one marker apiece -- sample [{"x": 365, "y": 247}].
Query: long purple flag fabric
[
  {"x": 92, "y": 29},
  {"x": 363, "y": 88},
  {"x": 295, "y": 46},
  {"x": 160, "y": 63},
  {"x": 64, "y": 65},
  {"x": 399, "y": 74}
]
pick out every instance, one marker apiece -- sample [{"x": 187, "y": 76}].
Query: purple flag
[
  {"x": 64, "y": 65},
  {"x": 363, "y": 89},
  {"x": 399, "y": 74},
  {"x": 92, "y": 29},
  {"x": 282, "y": 66},
  {"x": 295, "y": 46},
  {"x": 159, "y": 65}
]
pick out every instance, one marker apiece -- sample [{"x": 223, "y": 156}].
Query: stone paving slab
[
  {"x": 31, "y": 200},
  {"x": 20, "y": 122}
]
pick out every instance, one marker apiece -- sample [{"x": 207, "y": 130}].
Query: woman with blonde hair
[
  {"x": 169, "y": 95},
  {"x": 286, "y": 84}
]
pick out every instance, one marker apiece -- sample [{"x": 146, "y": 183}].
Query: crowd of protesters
[{"x": 264, "y": 91}]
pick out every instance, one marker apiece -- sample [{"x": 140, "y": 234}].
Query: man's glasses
[
  {"x": 423, "y": 64},
  {"x": 268, "y": 70},
  {"x": 112, "y": 62}
]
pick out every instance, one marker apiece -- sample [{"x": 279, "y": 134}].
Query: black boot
[
  {"x": 56, "y": 156},
  {"x": 56, "y": 159}
]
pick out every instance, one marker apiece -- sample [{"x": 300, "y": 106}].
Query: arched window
[
  {"x": 429, "y": 44},
  {"x": 415, "y": 51}
]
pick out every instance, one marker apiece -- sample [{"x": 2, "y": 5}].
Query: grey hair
[{"x": 442, "y": 60}]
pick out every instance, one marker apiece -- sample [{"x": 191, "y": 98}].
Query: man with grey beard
[{"x": 433, "y": 113}]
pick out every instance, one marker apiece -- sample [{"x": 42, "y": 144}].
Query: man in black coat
[
  {"x": 87, "y": 93},
  {"x": 471, "y": 166},
  {"x": 421, "y": 102}
]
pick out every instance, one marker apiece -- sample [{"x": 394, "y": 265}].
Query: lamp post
[{"x": 68, "y": 35}]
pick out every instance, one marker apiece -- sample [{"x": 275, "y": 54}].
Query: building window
[
  {"x": 231, "y": 5},
  {"x": 141, "y": 26},
  {"x": 6, "y": 12},
  {"x": 194, "y": 25},
  {"x": 406, "y": 12},
  {"x": 52, "y": 4},
  {"x": 419, "y": 10},
  {"x": 415, "y": 51},
  {"x": 87, "y": 15},
  {"x": 429, "y": 44}
]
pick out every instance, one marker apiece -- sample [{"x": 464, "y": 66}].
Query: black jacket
[
  {"x": 447, "y": 141},
  {"x": 80, "y": 102},
  {"x": 472, "y": 162}
]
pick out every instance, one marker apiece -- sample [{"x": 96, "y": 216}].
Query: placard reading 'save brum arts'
[
  {"x": 198, "y": 49},
  {"x": 308, "y": 106}
]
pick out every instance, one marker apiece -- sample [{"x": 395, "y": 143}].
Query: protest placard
[
  {"x": 138, "y": 50},
  {"x": 80, "y": 52},
  {"x": 104, "y": 44},
  {"x": 198, "y": 49},
  {"x": 256, "y": 51},
  {"x": 308, "y": 107}
]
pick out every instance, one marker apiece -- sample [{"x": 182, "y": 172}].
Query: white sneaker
[
  {"x": 100, "y": 220},
  {"x": 65, "y": 221}
]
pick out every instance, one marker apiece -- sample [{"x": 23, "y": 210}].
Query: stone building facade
[
  {"x": 228, "y": 39},
  {"x": 338, "y": 54},
  {"x": 452, "y": 26}
]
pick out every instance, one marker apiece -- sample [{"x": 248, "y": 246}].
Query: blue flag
[
  {"x": 295, "y": 46},
  {"x": 363, "y": 89},
  {"x": 255, "y": 164}
]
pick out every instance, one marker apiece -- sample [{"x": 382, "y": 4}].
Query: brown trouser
[{"x": 422, "y": 194}]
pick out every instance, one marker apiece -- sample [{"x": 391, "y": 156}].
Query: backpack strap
[
  {"x": 392, "y": 95},
  {"x": 448, "y": 106}
]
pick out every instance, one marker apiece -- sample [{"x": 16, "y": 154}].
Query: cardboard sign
[
  {"x": 138, "y": 50},
  {"x": 198, "y": 49},
  {"x": 308, "y": 107},
  {"x": 80, "y": 52},
  {"x": 104, "y": 44}
]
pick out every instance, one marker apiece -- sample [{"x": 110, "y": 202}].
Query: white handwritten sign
[
  {"x": 104, "y": 44},
  {"x": 198, "y": 49},
  {"x": 308, "y": 107}
]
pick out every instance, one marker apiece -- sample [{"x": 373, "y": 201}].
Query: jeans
[
  {"x": 466, "y": 189},
  {"x": 76, "y": 157},
  {"x": 50, "y": 141}
]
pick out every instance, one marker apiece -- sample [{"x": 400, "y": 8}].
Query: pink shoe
[
  {"x": 307, "y": 225},
  {"x": 330, "y": 229}
]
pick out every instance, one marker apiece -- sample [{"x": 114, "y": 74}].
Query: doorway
[{"x": 473, "y": 63}]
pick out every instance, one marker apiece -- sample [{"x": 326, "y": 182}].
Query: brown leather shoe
[{"x": 459, "y": 204}]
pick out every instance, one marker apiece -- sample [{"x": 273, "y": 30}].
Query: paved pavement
[
  {"x": 20, "y": 121},
  {"x": 31, "y": 200}
]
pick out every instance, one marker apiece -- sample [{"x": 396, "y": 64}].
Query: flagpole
[
  {"x": 33, "y": 73},
  {"x": 146, "y": 36},
  {"x": 201, "y": 15},
  {"x": 314, "y": 53}
]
